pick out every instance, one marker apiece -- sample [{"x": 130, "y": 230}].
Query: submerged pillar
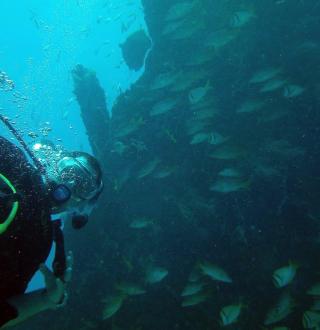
[{"x": 93, "y": 107}]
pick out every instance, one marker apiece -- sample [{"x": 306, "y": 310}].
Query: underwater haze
[
  {"x": 41, "y": 43},
  {"x": 209, "y": 141}
]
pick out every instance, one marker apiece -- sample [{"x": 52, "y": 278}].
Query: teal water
[{"x": 210, "y": 214}]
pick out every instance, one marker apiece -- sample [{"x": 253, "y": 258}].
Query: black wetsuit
[{"x": 28, "y": 239}]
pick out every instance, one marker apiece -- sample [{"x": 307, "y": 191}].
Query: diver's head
[
  {"x": 76, "y": 181},
  {"x": 74, "y": 178},
  {"x": 81, "y": 173}
]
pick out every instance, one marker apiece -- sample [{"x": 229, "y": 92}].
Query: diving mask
[{"x": 77, "y": 174}]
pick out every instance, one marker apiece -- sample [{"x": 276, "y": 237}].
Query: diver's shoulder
[{"x": 9, "y": 148}]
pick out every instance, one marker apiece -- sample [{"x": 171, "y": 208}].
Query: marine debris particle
[{"x": 135, "y": 48}]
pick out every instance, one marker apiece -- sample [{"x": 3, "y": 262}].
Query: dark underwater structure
[{"x": 250, "y": 233}]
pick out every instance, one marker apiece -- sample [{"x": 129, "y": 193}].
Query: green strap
[{"x": 4, "y": 226}]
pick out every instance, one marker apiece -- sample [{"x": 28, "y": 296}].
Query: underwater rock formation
[
  {"x": 92, "y": 101},
  {"x": 135, "y": 48}
]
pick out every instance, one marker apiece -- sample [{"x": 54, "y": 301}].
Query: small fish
[
  {"x": 140, "y": 223},
  {"x": 194, "y": 299},
  {"x": 200, "y": 138},
  {"x": 164, "y": 80},
  {"x": 281, "y": 309},
  {"x": 181, "y": 85},
  {"x": 311, "y": 320},
  {"x": 34, "y": 18},
  {"x": 130, "y": 289},
  {"x": 195, "y": 126},
  {"x": 216, "y": 138},
  {"x": 230, "y": 184},
  {"x": 230, "y": 314},
  {"x": 264, "y": 75},
  {"x": 284, "y": 148},
  {"x": 206, "y": 102},
  {"x": 188, "y": 31},
  {"x": 164, "y": 172},
  {"x": 180, "y": 10},
  {"x": 119, "y": 148},
  {"x": 219, "y": 39},
  {"x": 215, "y": 272},
  {"x": 284, "y": 275},
  {"x": 163, "y": 107},
  {"x": 192, "y": 288},
  {"x": 291, "y": 91},
  {"x": 112, "y": 305},
  {"x": 172, "y": 27},
  {"x": 240, "y": 18},
  {"x": 250, "y": 106},
  {"x": 206, "y": 113},
  {"x": 148, "y": 168},
  {"x": 156, "y": 274},
  {"x": 70, "y": 101},
  {"x": 129, "y": 127},
  {"x": 272, "y": 85},
  {"x": 33, "y": 135},
  {"x": 230, "y": 173},
  {"x": 197, "y": 94}
]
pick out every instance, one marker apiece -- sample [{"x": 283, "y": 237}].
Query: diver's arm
[
  {"x": 29, "y": 304},
  {"x": 32, "y": 303}
]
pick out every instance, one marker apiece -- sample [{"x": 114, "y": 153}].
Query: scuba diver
[{"x": 36, "y": 187}]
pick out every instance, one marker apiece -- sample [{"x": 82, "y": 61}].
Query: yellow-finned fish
[
  {"x": 215, "y": 272},
  {"x": 230, "y": 314},
  {"x": 284, "y": 275}
]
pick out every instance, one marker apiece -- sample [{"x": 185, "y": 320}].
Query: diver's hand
[
  {"x": 69, "y": 266},
  {"x": 56, "y": 288}
]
